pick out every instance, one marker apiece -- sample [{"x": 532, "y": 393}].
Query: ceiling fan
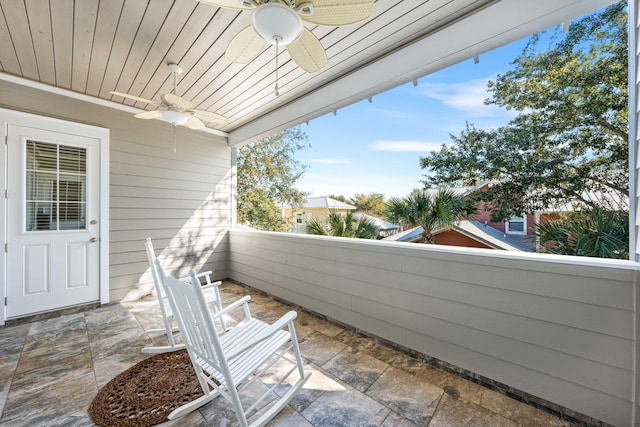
[
  {"x": 279, "y": 22},
  {"x": 174, "y": 109}
]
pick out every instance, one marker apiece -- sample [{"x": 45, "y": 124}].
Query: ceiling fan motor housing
[
  {"x": 174, "y": 117},
  {"x": 277, "y": 23}
]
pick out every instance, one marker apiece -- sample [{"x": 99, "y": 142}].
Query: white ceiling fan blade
[
  {"x": 208, "y": 116},
  {"x": 245, "y": 46},
  {"x": 155, "y": 114},
  {"x": 193, "y": 123},
  {"x": 337, "y": 13},
  {"x": 308, "y": 52},
  {"x": 229, "y": 4},
  {"x": 173, "y": 99},
  {"x": 135, "y": 98}
]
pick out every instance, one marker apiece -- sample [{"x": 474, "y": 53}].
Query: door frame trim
[{"x": 7, "y": 117}]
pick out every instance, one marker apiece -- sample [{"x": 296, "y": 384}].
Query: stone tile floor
[{"x": 51, "y": 369}]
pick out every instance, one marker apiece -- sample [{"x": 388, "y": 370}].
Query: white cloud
[
  {"x": 467, "y": 97},
  {"x": 330, "y": 161},
  {"x": 406, "y": 146}
]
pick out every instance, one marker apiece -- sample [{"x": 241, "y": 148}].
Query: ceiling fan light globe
[
  {"x": 173, "y": 117},
  {"x": 275, "y": 22}
]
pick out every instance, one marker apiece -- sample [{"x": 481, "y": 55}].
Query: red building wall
[
  {"x": 453, "y": 238},
  {"x": 484, "y": 215}
]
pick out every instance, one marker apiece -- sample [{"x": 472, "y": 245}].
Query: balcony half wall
[{"x": 559, "y": 328}]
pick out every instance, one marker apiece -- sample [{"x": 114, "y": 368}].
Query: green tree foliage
[
  {"x": 570, "y": 135},
  {"x": 344, "y": 225},
  {"x": 593, "y": 233},
  {"x": 372, "y": 204},
  {"x": 267, "y": 174},
  {"x": 339, "y": 198},
  {"x": 432, "y": 211}
]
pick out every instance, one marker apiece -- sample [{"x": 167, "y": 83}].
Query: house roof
[
  {"x": 410, "y": 235},
  {"x": 378, "y": 222},
  {"x": 492, "y": 237},
  {"x": 608, "y": 199},
  {"x": 323, "y": 202},
  {"x": 88, "y": 48},
  {"x": 464, "y": 190},
  {"x": 473, "y": 229}
]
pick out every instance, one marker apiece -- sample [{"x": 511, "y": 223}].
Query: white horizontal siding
[
  {"x": 178, "y": 261},
  {"x": 162, "y": 183},
  {"x": 184, "y": 199},
  {"x": 560, "y": 328},
  {"x": 181, "y": 200},
  {"x": 140, "y": 234},
  {"x": 121, "y": 193},
  {"x": 218, "y": 203},
  {"x": 183, "y": 257}
]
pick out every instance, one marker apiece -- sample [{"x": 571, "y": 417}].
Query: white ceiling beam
[{"x": 497, "y": 25}]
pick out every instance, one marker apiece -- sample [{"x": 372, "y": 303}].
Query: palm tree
[
  {"x": 594, "y": 233},
  {"x": 344, "y": 225},
  {"x": 439, "y": 211}
]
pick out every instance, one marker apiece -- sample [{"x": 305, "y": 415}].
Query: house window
[
  {"x": 516, "y": 225},
  {"x": 299, "y": 218},
  {"x": 56, "y": 187}
]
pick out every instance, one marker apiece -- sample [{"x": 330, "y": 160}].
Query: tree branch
[
  {"x": 622, "y": 190},
  {"x": 612, "y": 129}
]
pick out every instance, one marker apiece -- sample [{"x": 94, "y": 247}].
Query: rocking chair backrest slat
[
  {"x": 194, "y": 319},
  {"x": 212, "y": 297},
  {"x": 151, "y": 257}
]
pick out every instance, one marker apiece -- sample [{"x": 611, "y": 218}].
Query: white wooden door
[{"x": 52, "y": 220}]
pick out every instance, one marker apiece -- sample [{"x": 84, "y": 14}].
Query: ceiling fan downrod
[
  {"x": 277, "y": 39},
  {"x": 175, "y": 70}
]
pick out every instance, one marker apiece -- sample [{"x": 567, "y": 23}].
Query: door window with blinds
[{"x": 56, "y": 187}]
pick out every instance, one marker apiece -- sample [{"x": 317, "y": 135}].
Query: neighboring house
[
  {"x": 320, "y": 208},
  {"x": 470, "y": 234},
  {"x": 517, "y": 233},
  {"x": 313, "y": 207}
]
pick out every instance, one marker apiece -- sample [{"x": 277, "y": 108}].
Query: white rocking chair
[
  {"x": 228, "y": 364},
  {"x": 212, "y": 296}
]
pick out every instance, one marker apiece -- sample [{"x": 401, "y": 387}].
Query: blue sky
[{"x": 376, "y": 147}]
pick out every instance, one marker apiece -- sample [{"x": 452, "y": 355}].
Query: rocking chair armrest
[
  {"x": 203, "y": 274},
  {"x": 278, "y": 325},
  {"x": 242, "y": 301},
  {"x": 212, "y": 285}
]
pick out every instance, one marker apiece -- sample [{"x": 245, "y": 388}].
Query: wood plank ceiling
[{"x": 92, "y": 47}]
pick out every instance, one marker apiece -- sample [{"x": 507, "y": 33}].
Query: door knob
[{"x": 93, "y": 240}]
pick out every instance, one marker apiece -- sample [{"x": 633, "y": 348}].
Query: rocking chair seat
[{"x": 235, "y": 339}]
